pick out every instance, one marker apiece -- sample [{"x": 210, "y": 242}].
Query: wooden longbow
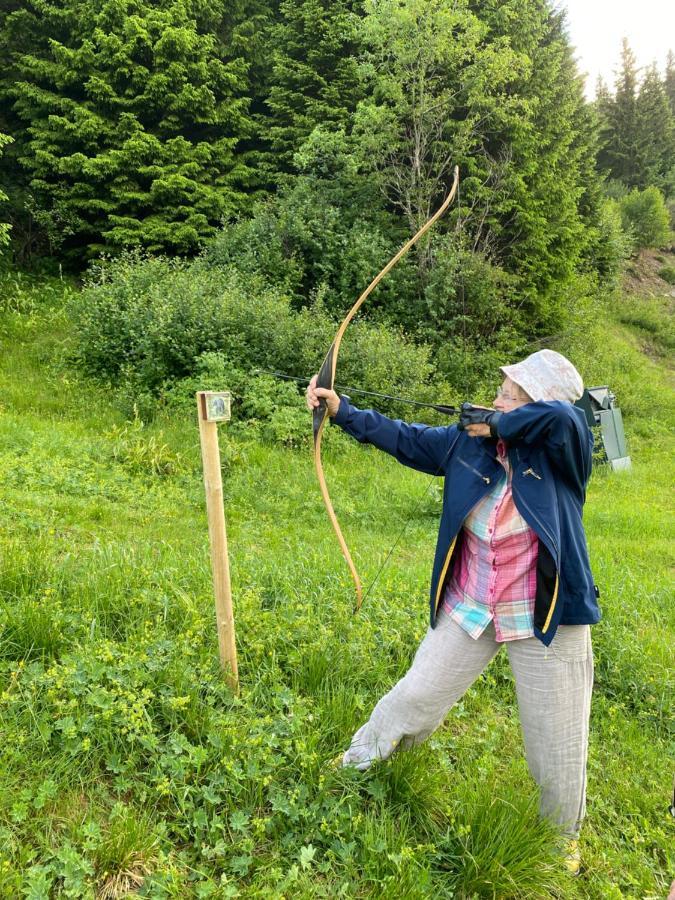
[{"x": 326, "y": 379}]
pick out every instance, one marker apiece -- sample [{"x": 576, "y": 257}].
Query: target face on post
[{"x": 216, "y": 405}]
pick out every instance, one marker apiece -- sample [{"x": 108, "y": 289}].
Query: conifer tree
[
  {"x": 669, "y": 81},
  {"x": 552, "y": 187},
  {"x": 127, "y": 115},
  {"x": 656, "y": 126},
  {"x": 603, "y": 109},
  {"x": 621, "y": 151},
  {"x": 313, "y": 76}
]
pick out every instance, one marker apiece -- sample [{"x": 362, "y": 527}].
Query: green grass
[{"x": 125, "y": 758}]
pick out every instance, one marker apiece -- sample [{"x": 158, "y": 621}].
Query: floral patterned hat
[{"x": 546, "y": 375}]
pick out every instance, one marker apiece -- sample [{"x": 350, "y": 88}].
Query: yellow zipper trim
[
  {"x": 443, "y": 571},
  {"x": 552, "y": 606}
]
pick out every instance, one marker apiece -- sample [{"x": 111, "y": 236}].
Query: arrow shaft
[{"x": 439, "y": 407}]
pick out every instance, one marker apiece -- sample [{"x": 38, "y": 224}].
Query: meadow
[{"x": 126, "y": 764}]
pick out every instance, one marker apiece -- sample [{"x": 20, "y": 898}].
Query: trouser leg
[
  {"x": 554, "y": 686},
  {"x": 445, "y": 665}
]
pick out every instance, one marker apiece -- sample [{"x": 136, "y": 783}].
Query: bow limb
[
  {"x": 331, "y": 513},
  {"x": 326, "y": 376}
]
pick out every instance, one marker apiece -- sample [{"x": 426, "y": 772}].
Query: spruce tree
[
  {"x": 621, "y": 151},
  {"x": 539, "y": 187},
  {"x": 656, "y": 127},
  {"x": 313, "y": 77},
  {"x": 127, "y": 115},
  {"x": 669, "y": 81},
  {"x": 551, "y": 187}
]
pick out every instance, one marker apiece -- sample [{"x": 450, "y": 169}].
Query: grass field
[{"x": 125, "y": 762}]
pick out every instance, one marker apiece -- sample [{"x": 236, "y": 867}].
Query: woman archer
[{"x": 511, "y": 567}]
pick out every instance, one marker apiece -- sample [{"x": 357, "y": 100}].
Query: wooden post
[{"x": 212, "y": 408}]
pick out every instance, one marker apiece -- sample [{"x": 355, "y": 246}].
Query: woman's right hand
[{"x": 314, "y": 394}]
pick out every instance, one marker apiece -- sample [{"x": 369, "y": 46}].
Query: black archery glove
[{"x": 477, "y": 415}]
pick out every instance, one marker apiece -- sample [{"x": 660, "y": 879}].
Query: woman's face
[{"x": 510, "y": 396}]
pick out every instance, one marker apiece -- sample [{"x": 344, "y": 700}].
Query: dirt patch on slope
[{"x": 642, "y": 274}]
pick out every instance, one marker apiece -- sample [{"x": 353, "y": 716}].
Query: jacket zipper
[
  {"x": 485, "y": 478},
  {"x": 555, "y": 546},
  {"x": 532, "y": 472}
]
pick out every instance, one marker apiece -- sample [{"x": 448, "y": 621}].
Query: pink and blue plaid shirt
[{"x": 495, "y": 578}]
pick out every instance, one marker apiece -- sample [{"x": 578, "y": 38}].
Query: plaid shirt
[{"x": 495, "y": 575}]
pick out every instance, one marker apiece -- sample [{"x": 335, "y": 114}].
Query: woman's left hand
[
  {"x": 481, "y": 430},
  {"x": 475, "y": 420}
]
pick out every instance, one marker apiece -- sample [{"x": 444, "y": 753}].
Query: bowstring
[{"x": 407, "y": 523}]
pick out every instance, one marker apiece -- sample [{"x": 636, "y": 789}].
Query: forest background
[
  {"x": 191, "y": 193},
  {"x": 297, "y": 145}
]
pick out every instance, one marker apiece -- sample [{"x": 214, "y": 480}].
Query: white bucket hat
[{"x": 546, "y": 375}]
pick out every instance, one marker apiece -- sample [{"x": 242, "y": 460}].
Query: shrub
[
  {"x": 166, "y": 328},
  {"x": 612, "y": 245},
  {"x": 258, "y": 246},
  {"x": 155, "y": 317},
  {"x": 645, "y": 216},
  {"x": 668, "y": 274},
  {"x": 324, "y": 233}
]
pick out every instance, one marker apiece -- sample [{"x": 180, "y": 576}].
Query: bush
[
  {"x": 668, "y": 274},
  {"x": 612, "y": 245},
  {"x": 155, "y": 317},
  {"x": 258, "y": 246},
  {"x": 167, "y": 328},
  {"x": 644, "y": 215},
  {"x": 324, "y": 233},
  {"x": 304, "y": 242}
]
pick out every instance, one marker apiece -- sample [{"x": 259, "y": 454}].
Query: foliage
[
  {"x": 326, "y": 233},
  {"x": 619, "y": 120},
  {"x": 645, "y": 217},
  {"x": 668, "y": 274},
  {"x": 657, "y": 126},
  {"x": 154, "y": 321},
  {"x": 154, "y": 317},
  {"x": 313, "y": 77},
  {"x": 669, "y": 79},
  {"x": 614, "y": 245},
  {"x": 141, "y": 126},
  {"x": 451, "y": 85},
  {"x": 4, "y": 227},
  {"x": 336, "y": 223},
  {"x": 127, "y": 119}
]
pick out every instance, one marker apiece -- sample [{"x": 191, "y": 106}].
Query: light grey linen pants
[{"x": 553, "y": 687}]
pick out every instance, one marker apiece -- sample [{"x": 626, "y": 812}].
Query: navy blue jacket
[{"x": 549, "y": 450}]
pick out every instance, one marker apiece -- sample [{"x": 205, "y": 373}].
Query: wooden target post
[{"x": 214, "y": 407}]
